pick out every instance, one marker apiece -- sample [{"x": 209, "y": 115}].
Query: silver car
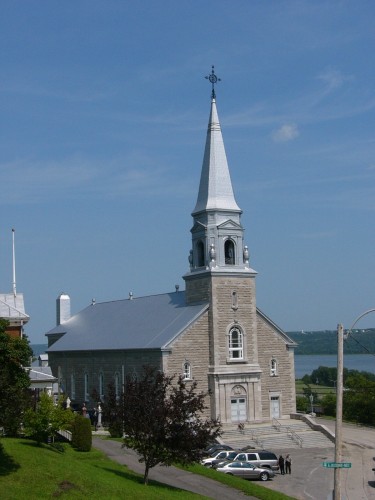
[{"x": 246, "y": 470}]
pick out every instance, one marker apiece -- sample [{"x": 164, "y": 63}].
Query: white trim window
[
  {"x": 187, "y": 371},
  {"x": 117, "y": 385},
  {"x": 273, "y": 367},
  {"x": 235, "y": 344},
  {"x": 72, "y": 387},
  {"x": 101, "y": 385},
  {"x": 86, "y": 387}
]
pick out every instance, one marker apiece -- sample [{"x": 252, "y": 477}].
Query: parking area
[{"x": 310, "y": 480}]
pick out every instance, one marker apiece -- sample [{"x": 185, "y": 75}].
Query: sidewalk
[{"x": 169, "y": 475}]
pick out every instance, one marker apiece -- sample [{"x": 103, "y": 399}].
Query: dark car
[
  {"x": 246, "y": 470},
  {"x": 216, "y": 447}
]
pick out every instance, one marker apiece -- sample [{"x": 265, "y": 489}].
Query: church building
[
  {"x": 12, "y": 307},
  {"x": 212, "y": 332}
]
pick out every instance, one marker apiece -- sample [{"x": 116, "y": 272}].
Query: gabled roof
[
  {"x": 140, "y": 323},
  {"x": 12, "y": 307},
  {"x": 290, "y": 342}
]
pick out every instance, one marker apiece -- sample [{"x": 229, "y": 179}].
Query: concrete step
[{"x": 291, "y": 434}]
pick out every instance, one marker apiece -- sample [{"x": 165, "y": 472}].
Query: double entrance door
[{"x": 238, "y": 409}]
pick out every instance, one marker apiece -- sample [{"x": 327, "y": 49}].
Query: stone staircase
[{"x": 278, "y": 434}]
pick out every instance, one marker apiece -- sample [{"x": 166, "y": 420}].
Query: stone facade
[{"x": 230, "y": 348}]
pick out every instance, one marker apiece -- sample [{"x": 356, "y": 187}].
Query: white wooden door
[
  {"x": 275, "y": 407},
  {"x": 238, "y": 409}
]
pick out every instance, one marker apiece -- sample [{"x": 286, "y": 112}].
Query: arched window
[
  {"x": 200, "y": 254},
  {"x": 117, "y": 385},
  {"x": 86, "y": 387},
  {"x": 229, "y": 252},
  {"x": 187, "y": 371},
  {"x": 101, "y": 385},
  {"x": 72, "y": 387},
  {"x": 273, "y": 367},
  {"x": 235, "y": 344}
]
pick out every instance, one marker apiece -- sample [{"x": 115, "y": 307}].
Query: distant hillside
[
  {"x": 38, "y": 349},
  {"x": 325, "y": 342}
]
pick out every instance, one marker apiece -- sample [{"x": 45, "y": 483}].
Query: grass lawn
[
  {"x": 321, "y": 390},
  {"x": 251, "y": 488},
  {"x": 39, "y": 472},
  {"x": 31, "y": 472}
]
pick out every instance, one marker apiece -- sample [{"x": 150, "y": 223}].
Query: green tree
[
  {"x": 15, "y": 354},
  {"x": 302, "y": 404},
  {"x": 81, "y": 433},
  {"x": 112, "y": 412},
  {"x": 46, "y": 419},
  {"x": 328, "y": 403},
  {"x": 359, "y": 399},
  {"x": 163, "y": 419}
]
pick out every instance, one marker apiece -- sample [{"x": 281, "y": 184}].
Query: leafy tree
[
  {"x": 112, "y": 412},
  {"x": 15, "y": 354},
  {"x": 359, "y": 399},
  {"x": 81, "y": 433},
  {"x": 328, "y": 403},
  {"x": 163, "y": 419},
  {"x": 302, "y": 404},
  {"x": 46, "y": 419}
]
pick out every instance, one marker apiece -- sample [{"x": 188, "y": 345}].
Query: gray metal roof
[
  {"x": 12, "y": 307},
  {"x": 140, "y": 323},
  {"x": 215, "y": 188}
]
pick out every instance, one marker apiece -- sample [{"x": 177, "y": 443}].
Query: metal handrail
[
  {"x": 276, "y": 424},
  {"x": 295, "y": 436}
]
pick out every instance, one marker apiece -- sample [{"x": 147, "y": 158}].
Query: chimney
[{"x": 62, "y": 308}]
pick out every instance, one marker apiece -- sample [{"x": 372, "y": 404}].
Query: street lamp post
[
  {"x": 339, "y": 400},
  {"x": 311, "y": 402}
]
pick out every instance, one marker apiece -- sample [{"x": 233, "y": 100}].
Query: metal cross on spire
[{"x": 213, "y": 79}]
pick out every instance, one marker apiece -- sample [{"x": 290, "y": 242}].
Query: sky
[{"x": 104, "y": 111}]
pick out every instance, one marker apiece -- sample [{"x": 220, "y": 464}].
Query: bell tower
[
  {"x": 217, "y": 234},
  {"x": 220, "y": 274}
]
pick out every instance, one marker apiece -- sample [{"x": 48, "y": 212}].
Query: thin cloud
[
  {"x": 333, "y": 79},
  {"x": 287, "y": 132}
]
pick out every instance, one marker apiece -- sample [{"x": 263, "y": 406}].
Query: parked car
[
  {"x": 262, "y": 458},
  {"x": 246, "y": 470},
  {"x": 220, "y": 456},
  {"x": 216, "y": 447}
]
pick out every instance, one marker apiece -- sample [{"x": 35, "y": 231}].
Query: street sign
[{"x": 337, "y": 465}]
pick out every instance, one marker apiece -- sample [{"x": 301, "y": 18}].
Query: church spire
[
  {"x": 217, "y": 233},
  {"x": 215, "y": 188}
]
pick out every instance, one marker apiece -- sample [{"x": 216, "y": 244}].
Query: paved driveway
[{"x": 311, "y": 481}]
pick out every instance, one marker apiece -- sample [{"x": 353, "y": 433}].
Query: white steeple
[
  {"x": 215, "y": 188},
  {"x": 217, "y": 233}
]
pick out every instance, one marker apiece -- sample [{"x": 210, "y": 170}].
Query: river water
[{"x": 305, "y": 364}]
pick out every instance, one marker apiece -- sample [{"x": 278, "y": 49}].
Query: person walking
[
  {"x": 281, "y": 465},
  {"x": 288, "y": 464}
]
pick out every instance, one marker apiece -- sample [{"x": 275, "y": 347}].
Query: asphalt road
[{"x": 309, "y": 479}]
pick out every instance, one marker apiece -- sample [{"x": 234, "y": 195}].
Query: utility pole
[{"x": 339, "y": 396}]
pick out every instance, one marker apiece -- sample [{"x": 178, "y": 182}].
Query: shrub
[{"x": 81, "y": 433}]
